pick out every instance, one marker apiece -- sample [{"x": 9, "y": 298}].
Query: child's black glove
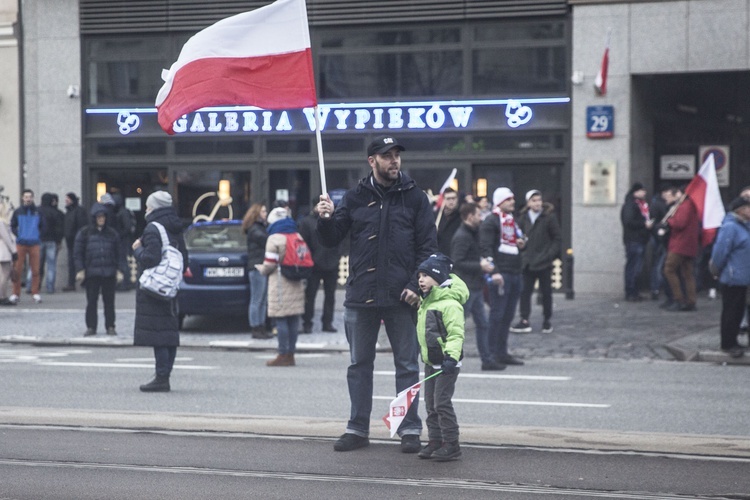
[{"x": 449, "y": 365}]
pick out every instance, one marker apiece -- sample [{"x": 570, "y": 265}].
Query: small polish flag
[
  {"x": 399, "y": 406},
  {"x": 259, "y": 58},
  {"x": 600, "y": 83},
  {"x": 704, "y": 191}
]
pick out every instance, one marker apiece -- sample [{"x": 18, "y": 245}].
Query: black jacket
[
  {"x": 390, "y": 235},
  {"x": 53, "y": 225},
  {"x": 325, "y": 258},
  {"x": 544, "y": 238},
  {"x": 489, "y": 241},
  {"x": 75, "y": 220},
  {"x": 633, "y": 223},
  {"x": 156, "y": 319},
  {"x": 466, "y": 256},
  {"x": 97, "y": 251},
  {"x": 448, "y": 226},
  {"x": 256, "y": 244}
]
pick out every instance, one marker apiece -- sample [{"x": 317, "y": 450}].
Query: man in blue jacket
[
  {"x": 26, "y": 224},
  {"x": 392, "y": 230}
]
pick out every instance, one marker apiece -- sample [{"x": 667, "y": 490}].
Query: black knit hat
[
  {"x": 438, "y": 267},
  {"x": 738, "y": 202}
]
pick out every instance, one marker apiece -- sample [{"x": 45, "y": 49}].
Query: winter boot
[
  {"x": 158, "y": 384},
  {"x": 429, "y": 450},
  {"x": 259, "y": 332},
  {"x": 282, "y": 360},
  {"x": 447, "y": 452}
]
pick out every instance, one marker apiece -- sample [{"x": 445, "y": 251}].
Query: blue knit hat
[{"x": 438, "y": 267}]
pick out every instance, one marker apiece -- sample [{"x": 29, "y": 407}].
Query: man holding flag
[{"x": 391, "y": 229}]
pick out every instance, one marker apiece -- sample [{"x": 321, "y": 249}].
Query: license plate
[{"x": 224, "y": 272}]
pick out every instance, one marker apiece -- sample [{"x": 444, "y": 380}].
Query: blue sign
[{"x": 600, "y": 122}]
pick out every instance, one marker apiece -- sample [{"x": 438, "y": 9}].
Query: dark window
[
  {"x": 288, "y": 146},
  {"x": 203, "y": 147},
  {"x": 125, "y": 148},
  {"x": 519, "y": 70}
]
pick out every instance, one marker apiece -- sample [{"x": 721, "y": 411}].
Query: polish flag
[
  {"x": 260, "y": 58},
  {"x": 446, "y": 185},
  {"x": 704, "y": 191},
  {"x": 399, "y": 406},
  {"x": 600, "y": 82}
]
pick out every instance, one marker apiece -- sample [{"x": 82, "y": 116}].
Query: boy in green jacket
[{"x": 440, "y": 331}]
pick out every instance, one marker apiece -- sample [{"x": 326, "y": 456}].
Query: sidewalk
[{"x": 589, "y": 326}]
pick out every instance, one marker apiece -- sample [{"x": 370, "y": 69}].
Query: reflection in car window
[{"x": 215, "y": 237}]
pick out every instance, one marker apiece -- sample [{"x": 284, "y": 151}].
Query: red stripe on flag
[{"x": 283, "y": 81}]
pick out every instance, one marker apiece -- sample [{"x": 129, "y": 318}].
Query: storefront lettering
[{"x": 434, "y": 115}]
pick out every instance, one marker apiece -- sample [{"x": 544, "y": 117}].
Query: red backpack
[{"x": 297, "y": 263}]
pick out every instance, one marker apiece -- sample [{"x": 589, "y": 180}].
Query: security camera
[{"x": 73, "y": 91}]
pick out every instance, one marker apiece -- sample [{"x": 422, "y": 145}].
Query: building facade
[
  {"x": 500, "y": 90},
  {"x": 10, "y": 101}
]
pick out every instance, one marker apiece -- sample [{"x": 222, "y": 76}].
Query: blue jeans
[
  {"x": 164, "y": 357},
  {"x": 475, "y": 307},
  {"x": 633, "y": 266},
  {"x": 48, "y": 263},
  {"x": 502, "y": 311},
  {"x": 287, "y": 329},
  {"x": 362, "y": 326},
  {"x": 258, "y": 298}
]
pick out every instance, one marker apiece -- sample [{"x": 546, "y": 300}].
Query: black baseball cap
[{"x": 383, "y": 144}]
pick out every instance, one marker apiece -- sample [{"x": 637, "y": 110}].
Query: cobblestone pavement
[{"x": 588, "y": 326}]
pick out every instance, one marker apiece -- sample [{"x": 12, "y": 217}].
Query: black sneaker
[
  {"x": 349, "y": 442},
  {"x": 522, "y": 326},
  {"x": 449, "y": 451},
  {"x": 306, "y": 328},
  {"x": 735, "y": 351},
  {"x": 410, "y": 443},
  {"x": 430, "y": 449},
  {"x": 492, "y": 366},
  {"x": 547, "y": 327}
]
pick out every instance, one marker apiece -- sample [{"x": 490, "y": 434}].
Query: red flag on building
[
  {"x": 259, "y": 58},
  {"x": 600, "y": 83},
  {"x": 704, "y": 191}
]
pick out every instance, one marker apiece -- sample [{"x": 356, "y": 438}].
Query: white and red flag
[
  {"x": 600, "y": 82},
  {"x": 259, "y": 58},
  {"x": 704, "y": 191},
  {"x": 399, "y": 406}
]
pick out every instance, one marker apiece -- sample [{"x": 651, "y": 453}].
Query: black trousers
[
  {"x": 107, "y": 286},
  {"x": 164, "y": 358},
  {"x": 545, "y": 287},
  {"x": 733, "y": 306},
  {"x": 71, "y": 263},
  {"x": 329, "y": 289}
]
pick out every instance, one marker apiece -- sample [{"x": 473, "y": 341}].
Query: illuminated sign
[{"x": 419, "y": 115}]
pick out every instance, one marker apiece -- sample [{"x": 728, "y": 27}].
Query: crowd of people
[{"x": 682, "y": 261}]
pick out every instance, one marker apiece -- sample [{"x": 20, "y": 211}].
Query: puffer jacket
[
  {"x": 390, "y": 234},
  {"x": 7, "y": 243},
  {"x": 440, "y": 322},
  {"x": 543, "y": 244},
  {"x": 730, "y": 257},
  {"x": 285, "y": 297},
  {"x": 97, "y": 251},
  {"x": 156, "y": 321}
]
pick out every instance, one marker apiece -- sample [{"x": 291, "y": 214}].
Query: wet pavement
[{"x": 588, "y": 326}]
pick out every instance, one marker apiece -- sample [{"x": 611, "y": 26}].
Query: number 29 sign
[{"x": 600, "y": 122}]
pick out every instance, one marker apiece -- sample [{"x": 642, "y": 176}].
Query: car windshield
[{"x": 219, "y": 237}]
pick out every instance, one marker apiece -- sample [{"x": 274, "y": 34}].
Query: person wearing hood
[
  {"x": 53, "y": 230},
  {"x": 75, "y": 220},
  {"x": 26, "y": 225},
  {"x": 730, "y": 264},
  {"x": 286, "y": 298},
  {"x": 156, "y": 323},
  {"x": 391, "y": 230},
  {"x": 440, "y": 332},
  {"x": 636, "y": 230},
  {"x": 125, "y": 227},
  {"x": 95, "y": 251}
]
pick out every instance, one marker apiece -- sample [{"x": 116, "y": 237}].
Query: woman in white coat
[
  {"x": 7, "y": 250},
  {"x": 286, "y": 298}
]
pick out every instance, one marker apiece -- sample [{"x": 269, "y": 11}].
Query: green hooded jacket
[{"x": 440, "y": 322}]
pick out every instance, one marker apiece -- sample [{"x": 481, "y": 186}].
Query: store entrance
[{"x": 129, "y": 186}]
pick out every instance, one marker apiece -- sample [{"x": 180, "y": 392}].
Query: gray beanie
[
  {"x": 159, "y": 199},
  {"x": 107, "y": 199}
]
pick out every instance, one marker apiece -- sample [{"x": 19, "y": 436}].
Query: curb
[{"x": 328, "y": 429}]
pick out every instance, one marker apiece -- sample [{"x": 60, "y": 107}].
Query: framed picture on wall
[
  {"x": 677, "y": 167},
  {"x": 599, "y": 182}
]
